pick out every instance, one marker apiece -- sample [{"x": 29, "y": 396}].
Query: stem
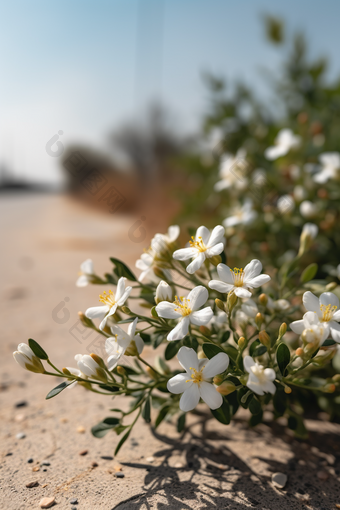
[
  {"x": 148, "y": 364},
  {"x": 55, "y": 368}
]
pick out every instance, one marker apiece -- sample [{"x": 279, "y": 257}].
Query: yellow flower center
[
  {"x": 182, "y": 306},
  {"x": 107, "y": 299},
  {"x": 327, "y": 312},
  {"x": 196, "y": 376},
  {"x": 238, "y": 275},
  {"x": 199, "y": 245}
]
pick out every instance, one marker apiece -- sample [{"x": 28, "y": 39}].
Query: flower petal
[
  {"x": 297, "y": 326},
  {"x": 139, "y": 343},
  {"x": 113, "y": 348},
  {"x": 336, "y": 316},
  {"x": 132, "y": 328},
  {"x": 185, "y": 253},
  {"x": 311, "y": 302},
  {"x": 248, "y": 362},
  {"x": 187, "y": 358},
  {"x": 335, "y": 331},
  {"x": 196, "y": 263},
  {"x": 216, "y": 365},
  {"x": 201, "y": 317},
  {"x": 242, "y": 292},
  {"x": 177, "y": 384},
  {"x": 190, "y": 398},
  {"x": 112, "y": 362},
  {"x": 120, "y": 288},
  {"x": 166, "y": 310},
  {"x": 255, "y": 387},
  {"x": 328, "y": 298},
  {"x": 87, "y": 267},
  {"x": 310, "y": 319},
  {"x": 173, "y": 233},
  {"x": 203, "y": 232},
  {"x": 222, "y": 287},
  {"x": 210, "y": 396},
  {"x": 258, "y": 281},
  {"x": 225, "y": 274},
  {"x": 197, "y": 297},
  {"x": 82, "y": 281},
  {"x": 270, "y": 374},
  {"x": 97, "y": 312},
  {"x": 215, "y": 250},
  {"x": 180, "y": 331},
  {"x": 269, "y": 387},
  {"x": 124, "y": 297},
  {"x": 252, "y": 270},
  {"x": 216, "y": 236}
]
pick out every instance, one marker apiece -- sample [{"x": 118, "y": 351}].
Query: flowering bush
[{"x": 229, "y": 335}]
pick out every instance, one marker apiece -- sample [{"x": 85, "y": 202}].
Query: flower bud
[
  {"x": 264, "y": 338},
  {"x": 331, "y": 286},
  {"x": 158, "y": 272},
  {"x": 66, "y": 371},
  {"x": 299, "y": 352},
  {"x": 308, "y": 234},
  {"x": 126, "y": 310},
  {"x": 329, "y": 388},
  {"x": 259, "y": 320},
  {"x": 241, "y": 342},
  {"x": 206, "y": 331},
  {"x": 131, "y": 349},
  {"x": 98, "y": 360},
  {"x": 226, "y": 388},
  {"x": 288, "y": 390},
  {"x": 336, "y": 378},
  {"x": 220, "y": 304},
  {"x": 121, "y": 370},
  {"x": 85, "y": 320},
  {"x": 231, "y": 301},
  {"x": 218, "y": 379},
  {"x": 263, "y": 299},
  {"x": 282, "y": 330},
  {"x": 26, "y": 358},
  {"x": 163, "y": 292}
]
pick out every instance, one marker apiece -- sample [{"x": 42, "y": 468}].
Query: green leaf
[
  {"x": 210, "y": 350},
  {"x": 222, "y": 414},
  {"x": 309, "y": 273},
  {"x": 292, "y": 423},
  {"x": 233, "y": 402},
  {"x": 280, "y": 402},
  {"x": 328, "y": 342},
  {"x": 58, "y": 389},
  {"x": 122, "y": 441},
  {"x": 231, "y": 351},
  {"x": 154, "y": 312},
  {"x": 256, "y": 419},
  {"x": 161, "y": 415},
  {"x": 255, "y": 406},
  {"x": 121, "y": 269},
  {"x": 37, "y": 349},
  {"x": 225, "y": 337},
  {"x": 146, "y": 410},
  {"x": 106, "y": 387},
  {"x": 111, "y": 279},
  {"x": 171, "y": 350},
  {"x": 181, "y": 422},
  {"x": 104, "y": 426},
  {"x": 120, "y": 428},
  {"x": 240, "y": 394},
  {"x": 283, "y": 357},
  {"x": 253, "y": 346},
  {"x": 259, "y": 351}
]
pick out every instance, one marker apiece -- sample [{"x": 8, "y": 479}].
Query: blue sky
[{"x": 85, "y": 67}]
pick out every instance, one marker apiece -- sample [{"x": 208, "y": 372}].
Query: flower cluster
[{"x": 227, "y": 326}]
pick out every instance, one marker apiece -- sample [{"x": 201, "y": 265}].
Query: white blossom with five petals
[
  {"x": 260, "y": 379},
  {"x": 205, "y": 245},
  {"x": 110, "y": 302},
  {"x": 284, "y": 141},
  {"x": 238, "y": 280},
  {"x": 186, "y": 309},
  {"x": 195, "y": 383},
  {"x": 123, "y": 343},
  {"x": 86, "y": 273}
]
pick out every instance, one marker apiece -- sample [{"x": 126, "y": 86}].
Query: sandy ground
[{"x": 209, "y": 467}]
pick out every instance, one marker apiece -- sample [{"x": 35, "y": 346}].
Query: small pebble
[
  {"x": 279, "y": 480},
  {"x": 94, "y": 464},
  {"x": 150, "y": 459},
  {"x": 322, "y": 475},
  {"x": 45, "y": 463},
  {"x": 22, "y": 403},
  {"x": 222, "y": 467},
  {"x": 178, "y": 465},
  {"x": 45, "y": 485},
  {"x": 118, "y": 468},
  {"x": 19, "y": 417},
  {"x": 81, "y": 430},
  {"x": 84, "y": 452},
  {"x": 30, "y": 460},
  {"x": 46, "y": 502},
  {"x": 119, "y": 475},
  {"x": 73, "y": 508},
  {"x": 8, "y": 454},
  {"x": 74, "y": 501},
  {"x": 32, "y": 484},
  {"x": 63, "y": 420},
  {"x": 36, "y": 468},
  {"x": 20, "y": 435},
  {"x": 45, "y": 469}
]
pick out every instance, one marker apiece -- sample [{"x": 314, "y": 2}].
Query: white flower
[
  {"x": 88, "y": 366},
  {"x": 232, "y": 171},
  {"x": 239, "y": 280},
  {"x": 242, "y": 214},
  {"x": 285, "y": 204},
  {"x": 154, "y": 256},
  {"x": 204, "y": 246},
  {"x": 249, "y": 307},
  {"x": 284, "y": 141},
  {"x": 279, "y": 305},
  {"x": 194, "y": 383},
  {"x": 26, "y": 358},
  {"x": 310, "y": 229},
  {"x": 172, "y": 234},
  {"x": 326, "y": 309},
  {"x": 314, "y": 331},
  {"x": 260, "y": 379},
  {"x": 86, "y": 273},
  {"x": 308, "y": 209},
  {"x": 330, "y": 165},
  {"x": 163, "y": 292},
  {"x": 110, "y": 302},
  {"x": 186, "y": 309},
  {"x": 123, "y": 343}
]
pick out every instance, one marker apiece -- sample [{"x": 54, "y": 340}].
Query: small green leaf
[
  {"x": 104, "y": 426},
  {"x": 253, "y": 346},
  {"x": 231, "y": 351},
  {"x": 110, "y": 278},
  {"x": 37, "y": 349},
  {"x": 181, "y": 422},
  {"x": 225, "y": 337},
  {"x": 161, "y": 415},
  {"x": 259, "y": 351},
  {"x": 283, "y": 357},
  {"x": 255, "y": 406},
  {"x": 171, "y": 350},
  {"x": 120, "y": 428},
  {"x": 154, "y": 312},
  {"x": 122, "y": 441},
  {"x": 106, "y": 387},
  {"x": 146, "y": 410},
  {"x": 292, "y": 423},
  {"x": 309, "y": 273},
  {"x": 222, "y": 414},
  {"x": 280, "y": 402},
  {"x": 210, "y": 350},
  {"x": 328, "y": 342},
  {"x": 58, "y": 389},
  {"x": 121, "y": 269},
  {"x": 242, "y": 393},
  {"x": 256, "y": 419}
]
